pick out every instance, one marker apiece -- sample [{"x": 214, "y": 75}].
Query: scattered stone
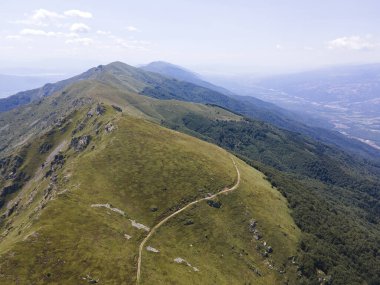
[
  {"x": 154, "y": 208},
  {"x": 127, "y": 236},
  {"x": 10, "y": 165},
  {"x": 139, "y": 226},
  {"x": 100, "y": 109},
  {"x": 90, "y": 280},
  {"x": 180, "y": 260},
  {"x": 45, "y": 147},
  {"x": 258, "y": 272},
  {"x": 117, "y": 108},
  {"x": 323, "y": 278},
  {"x": 152, "y": 249},
  {"x": 90, "y": 114},
  {"x": 109, "y": 127},
  {"x": 214, "y": 204},
  {"x": 109, "y": 206},
  {"x": 252, "y": 225},
  {"x": 11, "y": 207},
  {"x": 57, "y": 163},
  {"x": 80, "y": 143},
  {"x": 257, "y": 236},
  {"x": 59, "y": 122}
]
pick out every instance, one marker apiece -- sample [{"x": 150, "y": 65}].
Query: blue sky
[{"x": 225, "y": 37}]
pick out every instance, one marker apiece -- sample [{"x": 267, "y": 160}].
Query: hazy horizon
[{"x": 216, "y": 37}]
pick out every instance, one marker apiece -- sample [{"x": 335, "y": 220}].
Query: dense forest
[{"x": 334, "y": 196}]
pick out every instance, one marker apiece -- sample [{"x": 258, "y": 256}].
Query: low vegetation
[
  {"x": 82, "y": 220},
  {"x": 334, "y": 196}
]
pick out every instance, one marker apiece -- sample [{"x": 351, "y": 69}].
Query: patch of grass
[
  {"x": 219, "y": 243},
  {"x": 148, "y": 172}
]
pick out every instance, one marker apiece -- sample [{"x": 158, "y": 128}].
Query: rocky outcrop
[
  {"x": 109, "y": 128},
  {"x": 100, "y": 109},
  {"x": 45, "y": 147},
  {"x": 117, "y": 108},
  {"x": 80, "y": 143},
  {"x": 57, "y": 163},
  {"x": 9, "y": 166}
]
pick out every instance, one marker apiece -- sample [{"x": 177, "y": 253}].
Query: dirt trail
[{"x": 154, "y": 229}]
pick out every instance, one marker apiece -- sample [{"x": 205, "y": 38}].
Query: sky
[{"x": 208, "y": 36}]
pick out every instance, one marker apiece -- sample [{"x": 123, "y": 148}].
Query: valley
[{"x": 346, "y": 98}]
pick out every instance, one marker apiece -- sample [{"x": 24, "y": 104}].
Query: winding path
[{"x": 154, "y": 229}]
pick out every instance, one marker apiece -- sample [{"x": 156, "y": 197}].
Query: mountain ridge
[
  {"x": 126, "y": 77},
  {"x": 106, "y": 149}
]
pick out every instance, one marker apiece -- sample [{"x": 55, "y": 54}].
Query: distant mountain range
[
  {"x": 159, "y": 86},
  {"x": 180, "y": 73}
]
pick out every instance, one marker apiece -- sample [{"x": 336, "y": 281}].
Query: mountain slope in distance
[
  {"x": 254, "y": 108},
  {"x": 68, "y": 225},
  {"x": 130, "y": 79},
  {"x": 174, "y": 71}
]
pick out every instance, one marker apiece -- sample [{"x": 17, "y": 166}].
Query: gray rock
[
  {"x": 100, "y": 110},
  {"x": 80, "y": 143},
  {"x": 109, "y": 127}
]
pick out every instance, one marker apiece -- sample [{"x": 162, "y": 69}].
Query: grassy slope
[
  {"x": 139, "y": 166},
  {"x": 20, "y": 125}
]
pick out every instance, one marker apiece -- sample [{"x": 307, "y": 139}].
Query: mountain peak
[{"x": 180, "y": 73}]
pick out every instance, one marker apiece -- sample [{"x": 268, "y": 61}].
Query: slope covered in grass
[
  {"x": 334, "y": 196},
  {"x": 81, "y": 216}
]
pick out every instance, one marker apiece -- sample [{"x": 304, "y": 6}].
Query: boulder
[
  {"x": 100, "y": 109},
  {"x": 45, "y": 147},
  {"x": 117, "y": 108},
  {"x": 214, "y": 204},
  {"x": 80, "y": 143},
  {"x": 109, "y": 127}
]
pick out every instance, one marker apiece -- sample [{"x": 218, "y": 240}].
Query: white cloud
[
  {"x": 33, "y": 32},
  {"x": 42, "y": 14},
  {"x": 13, "y": 37},
  {"x": 130, "y": 44},
  {"x": 132, "y": 29},
  {"x": 78, "y": 13},
  {"x": 103, "y": 33},
  {"x": 79, "y": 28},
  {"x": 40, "y": 17},
  {"x": 43, "y": 17},
  {"x": 82, "y": 41},
  {"x": 353, "y": 43},
  {"x": 71, "y": 35}
]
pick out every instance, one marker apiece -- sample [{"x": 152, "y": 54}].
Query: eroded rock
[{"x": 80, "y": 143}]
